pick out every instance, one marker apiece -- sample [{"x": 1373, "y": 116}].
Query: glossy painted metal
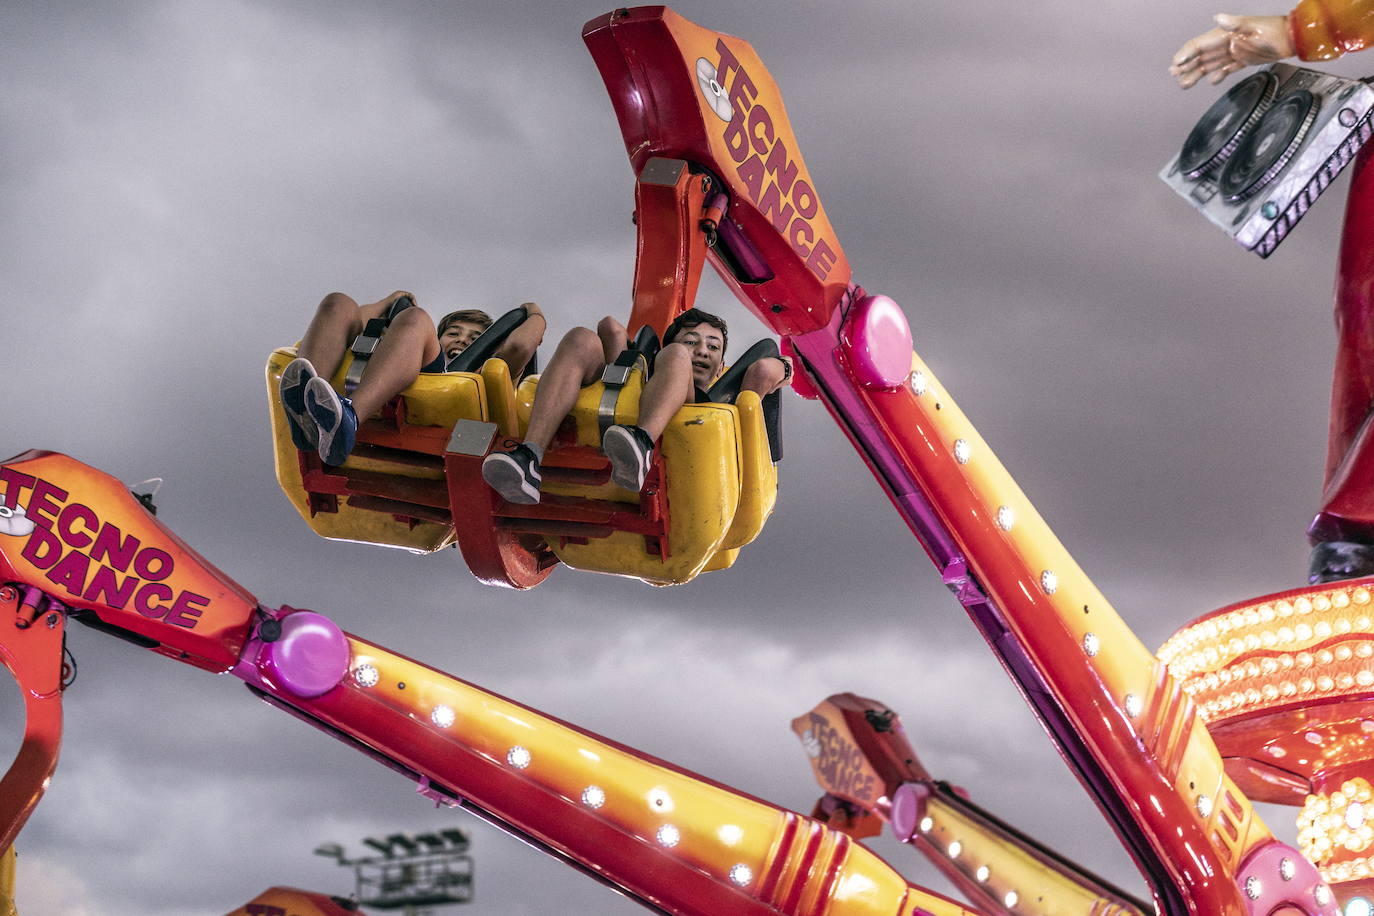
[
  {"x": 684, "y": 92},
  {"x": 669, "y": 838},
  {"x": 860, "y": 755},
  {"x": 1347, "y": 510},
  {"x": 95, "y": 547},
  {"x": 660, "y": 834},
  {"x": 877, "y": 338},
  {"x": 1284, "y": 683},
  {"x": 31, "y": 633},
  {"x": 671, "y": 246},
  {"x": 1118, "y": 717}
]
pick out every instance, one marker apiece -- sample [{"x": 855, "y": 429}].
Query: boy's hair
[
  {"x": 471, "y": 316},
  {"x": 693, "y": 317}
]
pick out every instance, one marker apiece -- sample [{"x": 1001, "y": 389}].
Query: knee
[
  {"x": 579, "y": 344},
  {"x": 763, "y": 376},
  {"x": 609, "y": 327},
  {"x": 674, "y": 353},
  {"x": 674, "y": 359},
  {"x": 337, "y": 304},
  {"x": 413, "y": 321}
]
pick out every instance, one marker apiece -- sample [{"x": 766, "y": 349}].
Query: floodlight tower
[{"x": 412, "y": 873}]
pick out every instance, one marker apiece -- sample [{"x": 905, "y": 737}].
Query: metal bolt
[
  {"x": 776, "y": 307},
  {"x": 52, "y": 621}
]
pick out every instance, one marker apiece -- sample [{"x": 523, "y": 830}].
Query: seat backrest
[{"x": 727, "y": 388}]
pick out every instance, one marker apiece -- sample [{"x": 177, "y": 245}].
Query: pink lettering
[
  {"x": 805, "y": 199},
  {"x": 751, "y": 173},
  {"x": 42, "y": 509},
  {"x": 143, "y": 600},
  {"x": 104, "y": 590},
  {"x": 15, "y": 483},
  {"x": 800, "y": 226},
  {"x": 70, "y": 572},
  {"x": 110, "y": 549},
  {"x": 773, "y": 207},
  {"x": 43, "y": 549},
  {"x": 187, "y": 609},
  {"x": 760, "y": 118},
  {"x": 779, "y": 166},
  {"x": 72, "y": 513},
  {"x": 736, "y": 140},
  {"x": 143, "y": 564},
  {"x": 821, "y": 260}
]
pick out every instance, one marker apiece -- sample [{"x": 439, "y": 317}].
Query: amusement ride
[{"x": 1268, "y": 699}]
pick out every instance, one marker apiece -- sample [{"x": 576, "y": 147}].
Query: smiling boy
[{"x": 692, "y": 358}]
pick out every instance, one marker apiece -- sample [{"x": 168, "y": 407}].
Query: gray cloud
[{"x": 181, "y": 183}]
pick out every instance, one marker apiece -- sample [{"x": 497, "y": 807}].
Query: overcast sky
[{"x": 181, "y": 182}]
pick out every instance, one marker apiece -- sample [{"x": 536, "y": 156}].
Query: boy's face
[
  {"x": 458, "y": 336},
  {"x": 708, "y": 351}
]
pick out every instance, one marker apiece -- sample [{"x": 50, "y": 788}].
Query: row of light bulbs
[{"x": 592, "y": 797}]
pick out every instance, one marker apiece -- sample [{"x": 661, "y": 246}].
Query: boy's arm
[
  {"x": 520, "y": 344},
  {"x": 768, "y": 375}
]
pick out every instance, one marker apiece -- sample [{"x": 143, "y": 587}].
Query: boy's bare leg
[
  {"x": 578, "y": 361},
  {"x": 614, "y": 338},
  {"x": 765, "y": 376},
  {"x": 338, "y": 320},
  {"x": 667, "y": 390},
  {"x": 409, "y": 344}
]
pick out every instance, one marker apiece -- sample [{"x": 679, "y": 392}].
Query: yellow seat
[
  {"x": 721, "y": 486},
  {"x": 392, "y": 490}
]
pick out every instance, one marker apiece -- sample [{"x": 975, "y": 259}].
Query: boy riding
[{"x": 692, "y": 358}]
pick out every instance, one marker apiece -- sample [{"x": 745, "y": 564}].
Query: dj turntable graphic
[{"x": 1262, "y": 154}]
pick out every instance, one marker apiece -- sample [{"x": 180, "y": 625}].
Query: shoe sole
[
  {"x": 505, "y": 475},
  {"x": 304, "y": 434},
  {"x": 629, "y": 466},
  {"x": 323, "y": 404}
]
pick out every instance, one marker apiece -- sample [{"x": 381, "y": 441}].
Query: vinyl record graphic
[
  {"x": 1220, "y": 130},
  {"x": 714, "y": 91},
  {"x": 1266, "y": 149}
]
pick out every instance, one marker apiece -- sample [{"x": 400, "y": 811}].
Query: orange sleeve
[{"x": 1323, "y": 29}]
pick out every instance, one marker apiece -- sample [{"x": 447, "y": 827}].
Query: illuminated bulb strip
[
  {"x": 1018, "y": 564},
  {"x": 734, "y": 838},
  {"x": 1334, "y": 825},
  {"x": 1338, "y": 610}
]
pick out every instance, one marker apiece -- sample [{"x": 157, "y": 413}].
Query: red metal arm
[
  {"x": 1121, "y": 721},
  {"x": 31, "y": 649},
  {"x": 673, "y": 840}
]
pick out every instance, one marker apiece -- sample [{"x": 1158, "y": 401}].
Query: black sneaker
[
  {"x": 513, "y": 474},
  {"x": 631, "y": 452}
]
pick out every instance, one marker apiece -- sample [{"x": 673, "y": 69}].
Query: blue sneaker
[
  {"x": 514, "y": 474},
  {"x": 335, "y": 419},
  {"x": 631, "y": 452},
  {"x": 294, "y": 378}
]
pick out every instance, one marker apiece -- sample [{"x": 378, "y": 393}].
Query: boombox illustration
[{"x": 1263, "y": 153}]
